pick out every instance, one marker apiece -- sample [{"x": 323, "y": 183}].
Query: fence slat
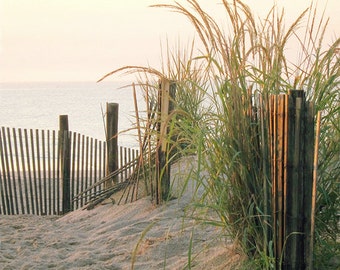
[
  {"x": 82, "y": 167},
  {"x": 17, "y": 172},
  {"x": 49, "y": 179},
  {"x": 50, "y": 173},
  {"x": 53, "y": 144},
  {"x": 26, "y": 168},
  {"x": 54, "y": 173},
  {"x": 125, "y": 161},
  {"x": 78, "y": 169},
  {"x": 308, "y": 187},
  {"x": 39, "y": 180},
  {"x": 4, "y": 189},
  {"x": 2, "y": 211},
  {"x": 280, "y": 167},
  {"x": 104, "y": 162},
  {"x": 292, "y": 229},
  {"x": 95, "y": 162},
  {"x": 100, "y": 160},
  {"x": 29, "y": 172},
  {"x": 44, "y": 181},
  {"x": 73, "y": 162},
  {"x": 34, "y": 169},
  {"x": 86, "y": 184},
  {"x": 91, "y": 164},
  {"x": 58, "y": 189},
  {"x": 12, "y": 191},
  {"x": 272, "y": 130},
  {"x": 310, "y": 252}
]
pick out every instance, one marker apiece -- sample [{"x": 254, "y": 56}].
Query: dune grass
[{"x": 218, "y": 88}]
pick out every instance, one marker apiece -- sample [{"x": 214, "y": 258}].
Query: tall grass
[{"x": 218, "y": 88}]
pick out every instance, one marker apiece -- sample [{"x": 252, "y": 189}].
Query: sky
[{"x": 82, "y": 40}]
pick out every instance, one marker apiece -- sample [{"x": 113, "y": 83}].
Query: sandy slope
[{"x": 114, "y": 237}]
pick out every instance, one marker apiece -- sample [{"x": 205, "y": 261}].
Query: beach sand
[{"x": 136, "y": 235}]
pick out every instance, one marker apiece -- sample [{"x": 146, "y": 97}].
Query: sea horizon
[{"x": 37, "y": 105}]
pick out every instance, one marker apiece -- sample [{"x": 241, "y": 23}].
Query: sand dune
[{"x": 137, "y": 235}]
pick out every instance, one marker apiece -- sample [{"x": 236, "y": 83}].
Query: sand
[{"x": 136, "y": 235}]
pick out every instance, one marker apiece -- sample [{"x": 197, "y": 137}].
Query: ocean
[{"x": 38, "y": 106}]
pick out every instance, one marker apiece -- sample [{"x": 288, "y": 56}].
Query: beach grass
[{"x": 217, "y": 88}]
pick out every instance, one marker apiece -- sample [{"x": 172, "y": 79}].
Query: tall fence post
[
  {"x": 166, "y": 96},
  {"x": 112, "y": 141},
  {"x": 65, "y": 159},
  {"x": 292, "y": 142}
]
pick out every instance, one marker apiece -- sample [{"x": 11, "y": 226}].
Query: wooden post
[
  {"x": 292, "y": 142},
  {"x": 308, "y": 187},
  {"x": 166, "y": 96},
  {"x": 265, "y": 125},
  {"x": 112, "y": 141},
  {"x": 64, "y": 148},
  {"x": 292, "y": 231},
  {"x": 310, "y": 251},
  {"x": 280, "y": 166}
]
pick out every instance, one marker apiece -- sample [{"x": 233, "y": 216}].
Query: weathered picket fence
[{"x": 43, "y": 171}]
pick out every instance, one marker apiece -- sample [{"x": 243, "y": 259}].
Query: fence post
[
  {"x": 112, "y": 141},
  {"x": 292, "y": 135},
  {"x": 166, "y": 96},
  {"x": 65, "y": 161}
]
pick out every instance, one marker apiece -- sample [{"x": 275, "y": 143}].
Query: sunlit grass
[{"x": 217, "y": 89}]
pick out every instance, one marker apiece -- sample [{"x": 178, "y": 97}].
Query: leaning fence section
[
  {"x": 87, "y": 164},
  {"x": 113, "y": 181},
  {"x": 127, "y": 156}
]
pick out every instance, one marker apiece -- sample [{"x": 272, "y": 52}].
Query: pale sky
[{"x": 81, "y": 40}]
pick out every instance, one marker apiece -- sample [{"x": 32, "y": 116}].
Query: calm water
[{"x": 38, "y": 106}]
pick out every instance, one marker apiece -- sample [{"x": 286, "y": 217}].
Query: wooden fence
[
  {"x": 31, "y": 176},
  {"x": 293, "y": 184}
]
